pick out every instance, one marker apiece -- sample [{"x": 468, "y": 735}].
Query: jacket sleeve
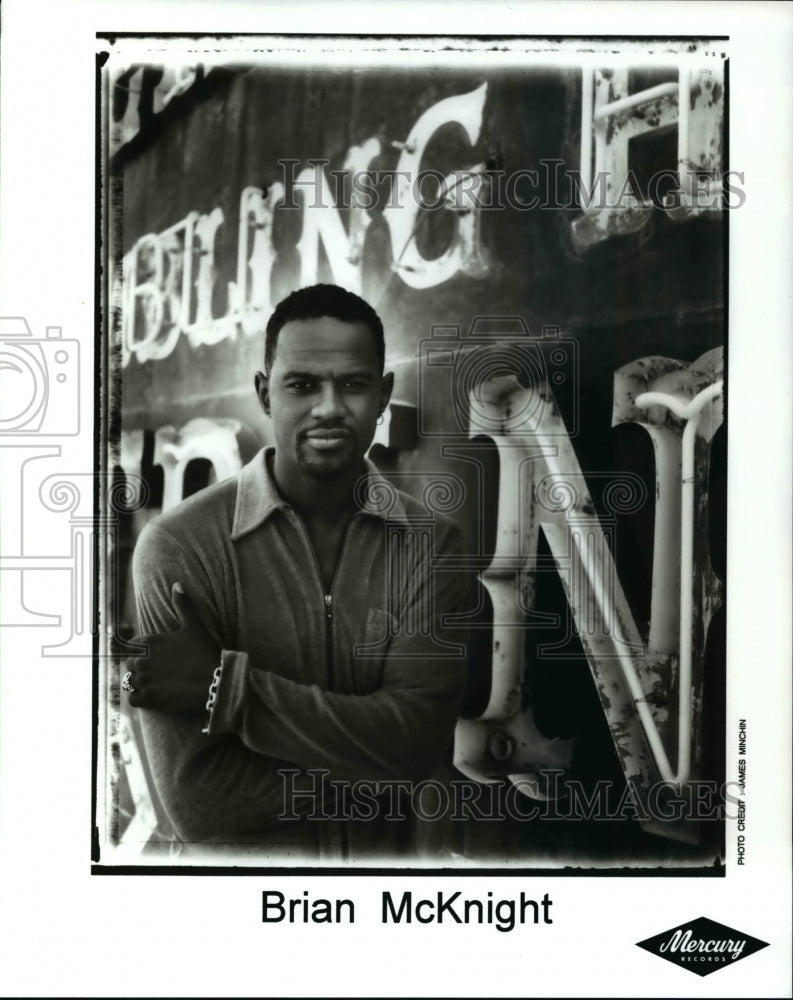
[
  {"x": 399, "y": 731},
  {"x": 210, "y": 786}
]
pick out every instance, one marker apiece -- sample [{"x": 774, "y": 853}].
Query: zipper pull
[{"x": 329, "y": 606}]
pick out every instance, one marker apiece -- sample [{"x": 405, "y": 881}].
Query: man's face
[{"x": 324, "y": 395}]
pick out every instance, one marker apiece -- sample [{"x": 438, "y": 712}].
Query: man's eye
[
  {"x": 356, "y": 385},
  {"x": 300, "y": 386}
]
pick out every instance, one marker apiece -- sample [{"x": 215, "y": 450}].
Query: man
[{"x": 301, "y": 604}]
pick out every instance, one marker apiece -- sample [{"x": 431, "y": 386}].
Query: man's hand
[{"x": 176, "y": 674}]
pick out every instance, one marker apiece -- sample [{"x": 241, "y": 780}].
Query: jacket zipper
[
  {"x": 327, "y": 598},
  {"x": 343, "y": 839},
  {"x": 329, "y": 633},
  {"x": 343, "y": 833}
]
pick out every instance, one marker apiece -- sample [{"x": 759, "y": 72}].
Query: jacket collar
[{"x": 258, "y": 496}]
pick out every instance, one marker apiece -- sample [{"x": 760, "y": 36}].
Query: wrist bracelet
[{"x": 213, "y": 694}]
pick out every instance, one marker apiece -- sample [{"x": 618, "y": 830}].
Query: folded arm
[
  {"x": 398, "y": 731},
  {"x": 229, "y": 779},
  {"x": 209, "y": 785}
]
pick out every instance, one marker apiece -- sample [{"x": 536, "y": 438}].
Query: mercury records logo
[{"x": 702, "y": 946}]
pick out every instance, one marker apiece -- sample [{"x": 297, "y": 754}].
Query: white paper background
[{"x": 66, "y": 933}]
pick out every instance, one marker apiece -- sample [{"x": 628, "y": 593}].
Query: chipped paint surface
[
  {"x": 612, "y": 116},
  {"x": 638, "y": 682}
]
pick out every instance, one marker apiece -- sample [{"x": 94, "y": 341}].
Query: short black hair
[{"x": 317, "y": 301}]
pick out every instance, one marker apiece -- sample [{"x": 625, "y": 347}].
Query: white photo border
[{"x": 69, "y": 932}]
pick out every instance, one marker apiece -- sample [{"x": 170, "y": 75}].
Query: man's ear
[
  {"x": 262, "y": 383},
  {"x": 386, "y": 388}
]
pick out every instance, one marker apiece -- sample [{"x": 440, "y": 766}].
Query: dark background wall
[{"x": 657, "y": 292}]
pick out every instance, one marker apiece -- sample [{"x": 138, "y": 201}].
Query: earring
[{"x": 380, "y": 419}]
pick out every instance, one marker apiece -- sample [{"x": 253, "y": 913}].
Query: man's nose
[{"x": 329, "y": 403}]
